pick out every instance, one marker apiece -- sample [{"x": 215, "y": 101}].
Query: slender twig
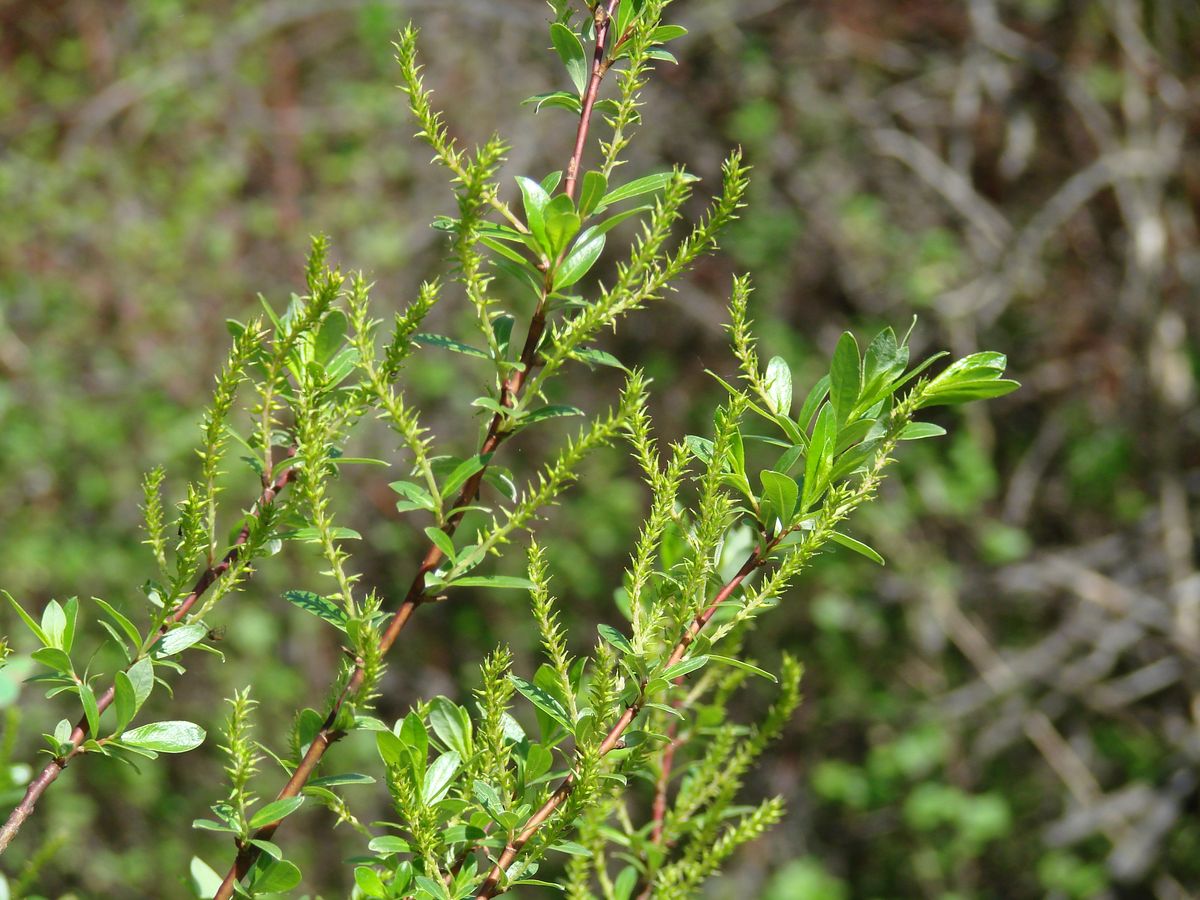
[
  {"x": 491, "y": 886},
  {"x": 79, "y": 734},
  {"x": 600, "y": 65},
  {"x": 511, "y": 388}
]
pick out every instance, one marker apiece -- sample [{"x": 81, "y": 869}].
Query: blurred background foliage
[{"x": 1009, "y": 709}]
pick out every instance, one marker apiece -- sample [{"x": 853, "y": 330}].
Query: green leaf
[
  {"x": 141, "y": 676},
  {"x": 591, "y": 356},
  {"x": 534, "y": 198},
  {"x": 648, "y": 184},
  {"x": 91, "y": 710},
  {"x": 591, "y": 190},
  {"x": 664, "y": 33},
  {"x": 570, "y": 51},
  {"x": 439, "y": 340},
  {"x": 53, "y": 658},
  {"x": 550, "y": 412},
  {"x": 502, "y": 582},
  {"x": 684, "y": 667},
  {"x": 616, "y": 638},
  {"x": 125, "y": 701},
  {"x": 488, "y": 798},
  {"x": 440, "y": 776},
  {"x": 318, "y": 606},
  {"x": 205, "y": 882},
  {"x": 580, "y": 260},
  {"x": 369, "y": 882},
  {"x": 561, "y": 99},
  {"x": 452, "y": 725},
  {"x": 432, "y": 887},
  {"x": 818, "y": 462},
  {"x": 779, "y": 385},
  {"x": 462, "y": 473},
  {"x": 744, "y": 666},
  {"x": 571, "y": 848},
  {"x": 71, "y": 613},
  {"x": 967, "y": 391},
  {"x": 543, "y": 701},
  {"x": 915, "y": 431},
  {"x": 389, "y": 844},
  {"x": 328, "y": 781},
  {"x": 122, "y": 622},
  {"x": 856, "y": 546},
  {"x": 274, "y": 876},
  {"x": 442, "y": 541},
  {"x": 165, "y": 737},
  {"x": 54, "y": 623},
  {"x": 275, "y": 811},
  {"x": 331, "y": 336},
  {"x": 179, "y": 639},
  {"x": 845, "y": 377},
  {"x": 417, "y": 495},
  {"x": 27, "y": 619},
  {"x": 812, "y": 401},
  {"x": 562, "y": 224},
  {"x": 783, "y": 493}
]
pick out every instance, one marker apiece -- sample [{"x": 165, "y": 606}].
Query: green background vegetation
[{"x": 1009, "y": 709}]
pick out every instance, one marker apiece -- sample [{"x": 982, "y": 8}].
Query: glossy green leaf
[
  {"x": 570, "y": 51},
  {"x": 580, "y": 260},
  {"x": 845, "y": 377},
  {"x": 440, "y": 776},
  {"x": 543, "y": 701},
  {"x": 179, "y": 639},
  {"x": 275, "y": 811},
  {"x": 915, "y": 431},
  {"x": 165, "y": 737},
  {"x": 125, "y": 703},
  {"x": 591, "y": 190},
  {"x": 616, "y": 638},
  {"x": 505, "y": 582}
]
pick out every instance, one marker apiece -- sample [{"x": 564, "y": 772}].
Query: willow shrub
[{"x": 481, "y": 805}]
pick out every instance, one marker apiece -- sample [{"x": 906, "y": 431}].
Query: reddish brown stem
[
  {"x": 491, "y": 886},
  {"x": 79, "y": 734},
  {"x": 599, "y": 67}
]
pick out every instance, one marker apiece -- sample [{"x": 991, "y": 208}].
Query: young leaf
[
  {"x": 915, "y": 431},
  {"x": 683, "y": 667},
  {"x": 782, "y": 492},
  {"x": 616, "y": 638},
  {"x": 318, "y": 606},
  {"x": 580, "y": 260},
  {"x": 744, "y": 666},
  {"x": 442, "y": 541},
  {"x": 165, "y": 737},
  {"x": 648, "y": 184},
  {"x": 54, "y": 623},
  {"x": 275, "y": 811},
  {"x": 550, "y": 412},
  {"x": 122, "y": 622},
  {"x": 462, "y": 472},
  {"x": 495, "y": 581},
  {"x": 534, "y": 198},
  {"x": 857, "y": 546},
  {"x": 273, "y": 876},
  {"x": 817, "y": 464},
  {"x": 779, "y": 385},
  {"x": 591, "y": 189},
  {"x": 543, "y": 701},
  {"x": 440, "y": 776},
  {"x": 570, "y": 51},
  {"x": 845, "y": 377},
  {"x": 27, "y": 619},
  {"x": 141, "y": 676},
  {"x": 124, "y": 701},
  {"x": 179, "y": 639},
  {"x": 439, "y": 340}
]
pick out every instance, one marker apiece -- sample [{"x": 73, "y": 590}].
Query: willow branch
[
  {"x": 491, "y": 886},
  {"x": 79, "y": 734}
]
